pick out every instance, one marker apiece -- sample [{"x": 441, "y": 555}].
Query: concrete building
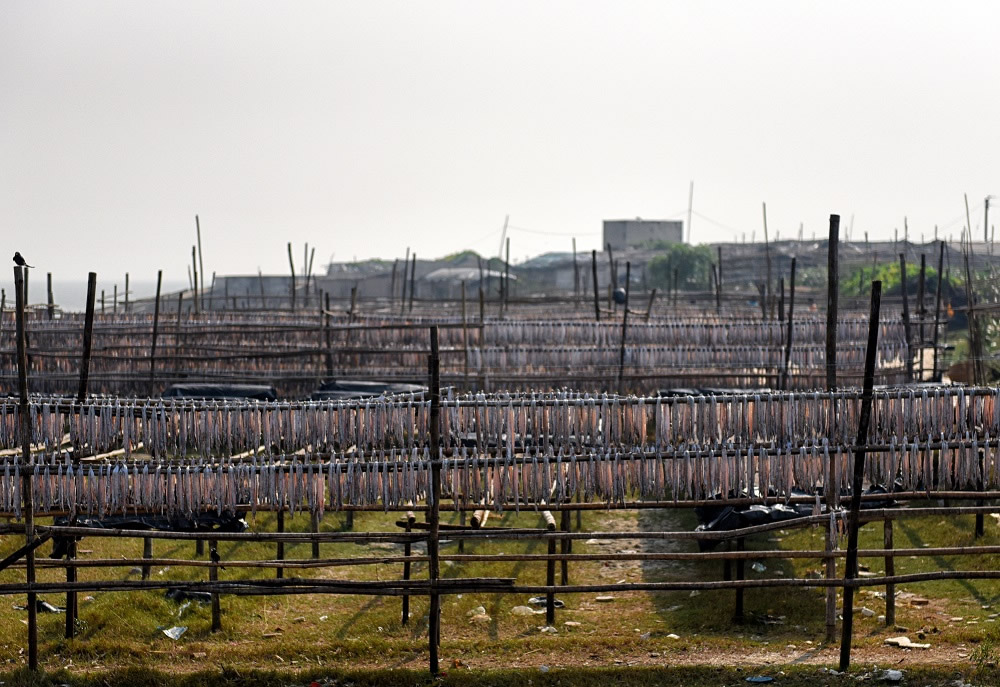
[{"x": 638, "y": 233}]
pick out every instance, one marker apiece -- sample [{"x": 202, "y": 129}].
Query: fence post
[{"x": 890, "y": 570}]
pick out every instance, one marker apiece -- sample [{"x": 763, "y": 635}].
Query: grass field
[{"x": 641, "y": 638}]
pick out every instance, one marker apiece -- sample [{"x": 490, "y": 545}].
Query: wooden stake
[
  {"x": 392, "y": 283},
  {"x": 126, "y": 292},
  {"x": 576, "y": 273},
  {"x": 851, "y": 566},
  {"x": 88, "y": 337},
  {"x": 406, "y": 263},
  {"x": 329, "y": 347}
]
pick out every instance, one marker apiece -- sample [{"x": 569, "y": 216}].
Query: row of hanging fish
[
  {"x": 210, "y": 428},
  {"x": 396, "y": 479}
]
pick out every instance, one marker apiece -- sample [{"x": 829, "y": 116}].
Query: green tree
[{"x": 691, "y": 262}]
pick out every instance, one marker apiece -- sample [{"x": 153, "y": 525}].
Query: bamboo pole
[
  {"x": 906, "y": 317},
  {"x": 890, "y": 570},
  {"x": 213, "y": 576},
  {"x": 88, "y": 338},
  {"x": 788, "y": 332},
  {"x": 406, "y": 263},
  {"x": 593, "y": 270},
  {"x": 921, "y": 311},
  {"x": 937, "y": 311},
  {"x": 832, "y": 300},
  {"x": 621, "y": 357},
  {"x": 291, "y": 265},
  {"x": 851, "y": 565},
  {"x": 413, "y": 279},
  {"x": 465, "y": 340},
  {"x": 433, "y": 519},
  {"x": 410, "y": 518},
  {"x": 51, "y": 301},
  {"x": 156, "y": 325},
  {"x": 768, "y": 292},
  {"x": 649, "y": 308},
  {"x": 200, "y": 295},
  {"x": 27, "y": 496}
]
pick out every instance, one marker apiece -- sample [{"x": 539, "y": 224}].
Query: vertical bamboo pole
[
  {"x": 102, "y": 301},
  {"x": 564, "y": 547},
  {"x": 921, "y": 312},
  {"x": 194, "y": 270},
  {"x": 576, "y": 273},
  {"x": 51, "y": 301},
  {"x": 506, "y": 279},
  {"x": 291, "y": 265},
  {"x": 649, "y": 308},
  {"x": 937, "y": 312},
  {"x": 147, "y": 552},
  {"x": 88, "y": 338},
  {"x": 788, "y": 330},
  {"x": 851, "y": 566},
  {"x": 593, "y": 270},
  {"x": 832, "y": 497},
  {"x": 201, "y": 265},
  {"x": 280, "y": 554},
  {"x": 407, "y": 549},
  {"x": 768, "y": 292},
  {"x": 406, "y": 264},
  {"x": 621, "y": 356},
  {"x": 906, "y": 317},
  {"x": 326, "y": 324},
  {"x": 126, "y": 292},
  {"x": 890, "y": 570},
  {"x": 413, "y": 279},
  {"x": 114, "y": 300},
  {"x": 213, "y": 576},
  {"x": 781, "y": 299},
  {"x": 392, "y": 283},
  {"x": 550, "y": 572},
  {"x": 718, "y": 278},
  {"x": 156, "y": 326},
  {"x": 740, "y": 574},
  {"x": 434, "y": 513},
  {"x": 832, "y": 300},
  {"x": 465, "y": 346},
  {"x": 27, "y": 494}
]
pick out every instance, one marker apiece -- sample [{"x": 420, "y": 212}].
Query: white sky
[{"x": 365, "y": 127}]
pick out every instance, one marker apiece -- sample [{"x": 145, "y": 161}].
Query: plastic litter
[
  {"x": 540, "y": 601},
  {"x": 175, "y": 632}
]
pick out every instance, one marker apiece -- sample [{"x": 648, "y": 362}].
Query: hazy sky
[{"x": 364, "y": 127}]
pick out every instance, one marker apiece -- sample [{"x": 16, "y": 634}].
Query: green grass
[{"x": 321, "y": 633}]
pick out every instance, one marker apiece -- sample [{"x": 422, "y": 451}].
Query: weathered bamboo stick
[{"x": 851, "y": 566}]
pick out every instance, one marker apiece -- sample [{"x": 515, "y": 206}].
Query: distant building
[{"x": 637, "y": 233}]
